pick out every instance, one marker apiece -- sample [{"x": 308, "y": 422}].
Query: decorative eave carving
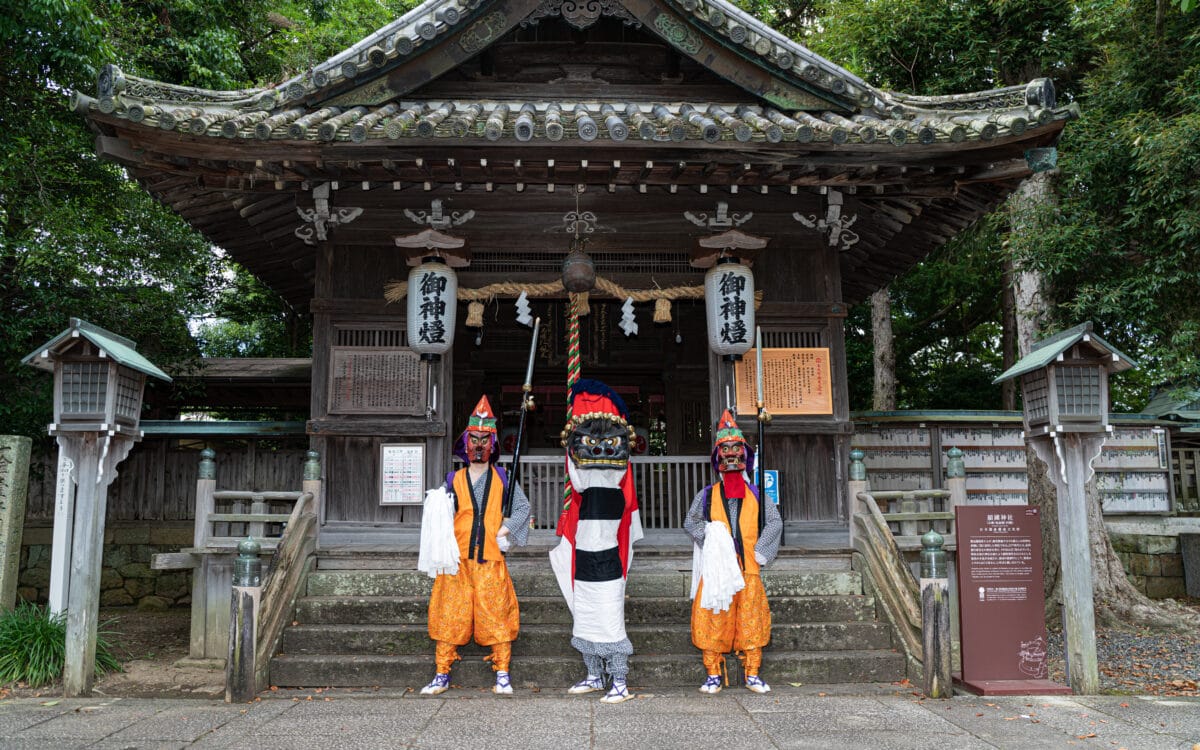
[
  {"x": 319, "y": 219},
  {"x": 835, "y": 225}
]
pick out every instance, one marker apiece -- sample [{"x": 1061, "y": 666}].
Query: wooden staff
[
  {"x": 514, "y": 472},
  {"x": 763, "y": 418}
]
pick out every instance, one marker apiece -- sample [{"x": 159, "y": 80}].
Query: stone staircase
[{"x": 362, "y": 622}]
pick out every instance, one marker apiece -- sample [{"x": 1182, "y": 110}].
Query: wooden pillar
[
  {"x": 87, "y": 550},
  {"x": 206, "y": 598},
  {"x": 240, "y": 665},
  {"x": 1068, "y": 458},
  {"x": 857, "y": 484},
  {"x": 64, "y": 524},
  {"x": 935, "y": 618}
]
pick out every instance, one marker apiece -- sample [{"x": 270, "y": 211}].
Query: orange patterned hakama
[
  {"x": 745, "y": 626},
  {"x": 480, "y": 600}
]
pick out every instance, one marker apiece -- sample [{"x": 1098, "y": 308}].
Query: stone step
[
  {"x": 546, "y": 640},
  {"x": 558, "y": 672},
  {"x": 657, "y": 581},
  {"x": 367, "y": 610}
]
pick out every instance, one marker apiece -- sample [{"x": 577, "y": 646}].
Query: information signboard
[
  {"x": 1000, "y": 600},
  {"x": 401, "y": 474},
  {"x": 795, "y": 381}
]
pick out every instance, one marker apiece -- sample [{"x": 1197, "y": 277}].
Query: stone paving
[{"x": 875, "y": 717}]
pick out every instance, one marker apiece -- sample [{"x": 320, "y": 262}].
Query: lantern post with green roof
[
  {"x": 99, "y": 378},
  {"x": 1064, "y": 389}
]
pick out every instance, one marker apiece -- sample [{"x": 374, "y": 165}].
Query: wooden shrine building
[{"x": 652, "y": 128}]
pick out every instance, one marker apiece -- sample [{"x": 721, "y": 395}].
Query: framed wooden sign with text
[{"x": 795, "y": 381}]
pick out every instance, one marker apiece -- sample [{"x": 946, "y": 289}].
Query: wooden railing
[
  {"x": 666, "y": 486},
  {"x": 881, "y": 539},
  {"x": 289, "y": 567}
]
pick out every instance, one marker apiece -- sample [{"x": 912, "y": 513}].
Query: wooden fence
[
  {"x": 665, "y": 485},
  {"x": 157, "y": 482},
  {"x": 1185, "y": 468}
]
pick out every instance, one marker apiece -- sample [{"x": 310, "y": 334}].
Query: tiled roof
[{"x": 903, "y": 125}]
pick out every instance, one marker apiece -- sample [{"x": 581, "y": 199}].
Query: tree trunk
[
  {"x": 884, "y": 393},
  {"x": 1008, "y": 337},
  {"x": 1117, "y": 601}
]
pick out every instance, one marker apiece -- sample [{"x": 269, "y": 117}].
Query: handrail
[
  {"x": 289, "y": 567},
  {"x": 898, "y": 591}
]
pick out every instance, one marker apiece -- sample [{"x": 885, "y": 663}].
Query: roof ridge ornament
[
  {"x": 321, "y": 217},
  {"x": 581, "y": 13}
]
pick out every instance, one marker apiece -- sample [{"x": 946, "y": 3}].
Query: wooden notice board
[{"x": 795, "y": 381}]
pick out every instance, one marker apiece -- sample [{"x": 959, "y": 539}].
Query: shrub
[{"x": 33, "y": 646}]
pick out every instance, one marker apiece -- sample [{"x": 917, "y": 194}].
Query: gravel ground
[{"x": 1139, "y": 662}]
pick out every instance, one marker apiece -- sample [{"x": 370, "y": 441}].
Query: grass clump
[{"x": 33, "y": 646}]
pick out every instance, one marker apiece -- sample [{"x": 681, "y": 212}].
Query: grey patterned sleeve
[
  {"x": 518, "y": 523},
  {"x": 767, "y": 546},
  {"x": 693, "y": 522}
]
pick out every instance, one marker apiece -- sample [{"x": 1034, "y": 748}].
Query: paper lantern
[
  {"x": 729, "y": 302},
  {"x": 432, "y": 306}
]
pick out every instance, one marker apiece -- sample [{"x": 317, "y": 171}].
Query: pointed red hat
[
  {"x": 728, "y": 430},
  {"x": 482, "y": 419}
]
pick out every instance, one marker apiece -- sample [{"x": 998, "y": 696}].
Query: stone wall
[
  {"x": 126, "y": 578},
  {"x": 1149, "y": 549}
]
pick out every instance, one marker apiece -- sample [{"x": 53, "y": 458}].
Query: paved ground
[{"x": 875, "y": 718}]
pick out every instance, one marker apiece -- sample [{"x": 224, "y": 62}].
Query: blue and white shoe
[
  {"x": 589, "y": 685},
  {"x": 712, "y": 685},
  {"x": 618, "y": 693},
  {"x": 439, "y": 684},
  {"x": 755, "y": 683},
  {"x": 503, "y": 684}
]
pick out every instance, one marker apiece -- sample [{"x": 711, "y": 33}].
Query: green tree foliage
[
  {"x": 77, "y": 237},
  {"x": 946, "y": 310},
  {"x": 1123, "y": 248}
]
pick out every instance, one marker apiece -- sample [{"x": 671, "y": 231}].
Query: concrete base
[{"x": 1011, "y": 687}]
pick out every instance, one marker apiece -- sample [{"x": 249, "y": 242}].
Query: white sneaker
[
  {"x": 712, "y": 685},
  {"x": 437, "y": 686},
  {"x": 754, "y": 683},
  {"x": 618, "y": 693},
  {"x": 589, "y": 685},
  {"x": 503, "y": 684}
]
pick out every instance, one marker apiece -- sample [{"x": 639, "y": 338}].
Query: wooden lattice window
[
  {"x": 372, "y": 371},
  {"x": 1035, "y": 392},
  {"x": 1078, "y": 391},
  {"x": 84, "y": 388}
]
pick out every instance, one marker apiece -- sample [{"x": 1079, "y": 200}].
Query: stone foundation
[
  {"x": 1149, "y": 549},
  {"x": 126, "y": 579}
]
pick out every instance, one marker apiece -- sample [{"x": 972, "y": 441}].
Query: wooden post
[
  {"x": 83, "y": 598},
  {"x": 935, "y": 618},
  {"x": 857, "y": 484},
  {"x": 1068, "y": 458},
  {"x": 312, "y": 480},
  {"x": 14, "y": 484},
  {"x": 206, "y": 485},
  {"x": 956, "y": 478},
  {"x": 240, "y": 666},
  {"x": 64, "y": 521}
]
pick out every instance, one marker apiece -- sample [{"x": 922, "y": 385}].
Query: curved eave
[
  {"x": 767, "y": 65},
  {"x": 617, "y": 122}
]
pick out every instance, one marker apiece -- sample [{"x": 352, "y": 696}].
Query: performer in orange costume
[
  {"x": 756, "y": 529},
  {"x": 480, "y": 599}
]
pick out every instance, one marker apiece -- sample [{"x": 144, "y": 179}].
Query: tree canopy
[
  {"x": 77, "y": 237},
  {"x": 1120, "y": 245}
]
